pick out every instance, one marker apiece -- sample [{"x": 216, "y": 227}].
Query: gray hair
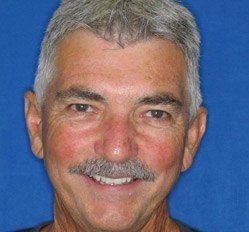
[
  {"x": 100, "y": 166},
  {"x": 124, "y": 22}
]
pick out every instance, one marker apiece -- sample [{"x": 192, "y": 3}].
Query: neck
[
  {"x": 63, "y": 221},
  {"x": 159, "y": 221}
]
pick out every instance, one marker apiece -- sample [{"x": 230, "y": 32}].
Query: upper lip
[{"x": 111, "y": 176}]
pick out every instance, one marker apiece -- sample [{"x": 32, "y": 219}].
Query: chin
[
  {"x": 114, "y": 223},
  {"x": 113, "y": 219}
]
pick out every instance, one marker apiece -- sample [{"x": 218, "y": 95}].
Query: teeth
[{"x": 111, "y": 181}]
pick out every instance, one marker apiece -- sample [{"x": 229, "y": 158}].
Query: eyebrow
[
  {"x": 78, "y": 93},
  {"x": 85, "y": 94},
  {"x": 160, "y": 99}
]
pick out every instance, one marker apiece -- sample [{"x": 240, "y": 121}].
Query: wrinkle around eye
[
  {"x": 80, "y": 110},
  {"x": 146, "y": 119}
]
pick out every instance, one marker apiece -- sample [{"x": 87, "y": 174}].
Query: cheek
[
  {"x": 69, "y": 142},
  {"x": 162, "y": 152}
]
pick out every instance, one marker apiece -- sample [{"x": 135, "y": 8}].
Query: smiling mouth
[{"x": 112, "y": 181}]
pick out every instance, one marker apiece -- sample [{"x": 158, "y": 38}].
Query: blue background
[{"x": 213, "y": 195}]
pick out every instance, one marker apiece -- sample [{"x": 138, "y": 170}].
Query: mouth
[{"x": 112, "y": 181}]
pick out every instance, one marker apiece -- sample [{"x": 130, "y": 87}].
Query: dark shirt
[
  {"x": 35, "y": 229},
  {"x": 183, "y": 228}
]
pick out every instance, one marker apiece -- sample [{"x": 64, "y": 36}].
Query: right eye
[{"x": 81, "y": 108}]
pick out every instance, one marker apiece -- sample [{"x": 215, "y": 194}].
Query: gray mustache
[{"x": 100, "y": 166}]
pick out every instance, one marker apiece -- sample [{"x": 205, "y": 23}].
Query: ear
[
  {"x": 34, "y": 123},
  {"x": 194, "y": 135}
]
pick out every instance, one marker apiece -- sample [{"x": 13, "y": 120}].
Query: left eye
[
  {"x": 81, "y": 107},
  {"x": 156, "y": 114}
]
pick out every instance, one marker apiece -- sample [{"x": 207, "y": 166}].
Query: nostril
[
  {"x": 115, "y": 141},
  {"x": 113, "y": 148}
]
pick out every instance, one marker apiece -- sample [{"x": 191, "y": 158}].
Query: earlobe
[
  {"x": 194, "y": 135},
  {"x": 34, "y": 123}
]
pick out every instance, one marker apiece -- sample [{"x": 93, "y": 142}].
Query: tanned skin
[{"x": 138, "y": 108}]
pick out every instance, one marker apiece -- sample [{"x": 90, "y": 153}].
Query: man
[{"x": 116, "y": 113}]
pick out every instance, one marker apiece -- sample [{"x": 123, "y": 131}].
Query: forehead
[{"x": 84, "y": 59}]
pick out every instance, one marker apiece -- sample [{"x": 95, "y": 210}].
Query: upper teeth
[{"x": 111, "y": 181}]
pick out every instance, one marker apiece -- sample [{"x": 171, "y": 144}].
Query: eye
[
  {"x": 81, "y": 108},
  {"x": 157, "y": 114}
]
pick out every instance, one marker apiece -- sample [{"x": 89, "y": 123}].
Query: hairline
[
  {"x": 189, "y": 47},
  {"x": 53, "y": 55}
]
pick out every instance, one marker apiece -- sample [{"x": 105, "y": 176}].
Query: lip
[
  {"x": 114, "y": 181},
  {"x": 126, "y": 189}
]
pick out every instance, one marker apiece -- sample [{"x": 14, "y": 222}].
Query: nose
[{"x": 117, "y": 140}]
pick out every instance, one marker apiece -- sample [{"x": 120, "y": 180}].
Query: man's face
[{"x": 116, "y": 104}]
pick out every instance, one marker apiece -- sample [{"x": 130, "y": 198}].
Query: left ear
[{"x": 194, "y": 135}]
